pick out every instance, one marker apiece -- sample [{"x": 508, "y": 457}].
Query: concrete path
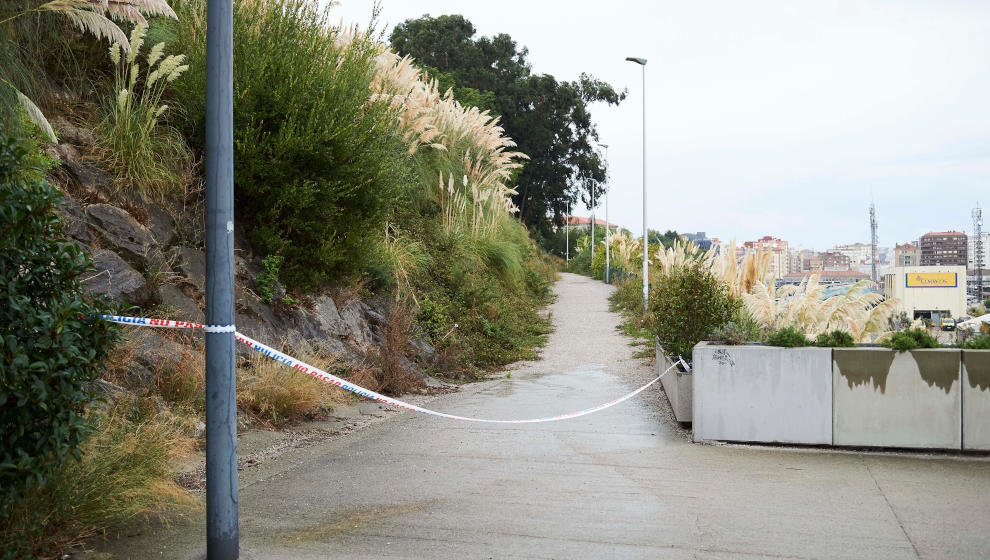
[{"x": 622, "y": 483}]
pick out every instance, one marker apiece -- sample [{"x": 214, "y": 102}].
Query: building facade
[
  {"x": 927, "y": 291},
  {"x": 943, "y": 248},
  {"x": 907, "y": 254},
  {"x": 779, "y": 253}
]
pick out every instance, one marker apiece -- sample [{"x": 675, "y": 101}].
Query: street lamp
[
  {"x": 567, "y": 237},
  {"x": 646, "y": 242},
  {"x": 606, "y": 215}
]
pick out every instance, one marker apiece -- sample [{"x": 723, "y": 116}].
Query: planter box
[
  {"x": 976, "y": 399},
  {"x": 884, "y": 398},
  {"x": 677, "y": 385},
  {"x": 763, "y": 394}
]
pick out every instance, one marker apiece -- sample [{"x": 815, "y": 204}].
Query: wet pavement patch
[{"x": 347, "y": 521}]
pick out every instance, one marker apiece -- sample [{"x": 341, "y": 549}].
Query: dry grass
[
  {"x": 182, "y": 383},
  {"x": 123, "y": 474},
  {"x": 391, "y": 373},
  {"x": 276, "y": 394}
]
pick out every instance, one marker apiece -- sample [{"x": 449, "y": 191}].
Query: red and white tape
[{"x": 357, "y": 389}]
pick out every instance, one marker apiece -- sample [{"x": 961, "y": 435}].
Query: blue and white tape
[{"x": 357, "y": 389}]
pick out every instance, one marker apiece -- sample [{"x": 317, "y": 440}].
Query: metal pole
[
  {"x": 592, "y": 224},
  {"x": 607, "y": 265},
  {"x": 221, "y": 413},
  {"x": 646, "y": 241},
  {"x": 567, "y": 236}
]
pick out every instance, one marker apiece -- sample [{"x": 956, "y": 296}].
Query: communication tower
[
  {"x": 978, "y": 249},
  {"x": 873, "y": 243}
]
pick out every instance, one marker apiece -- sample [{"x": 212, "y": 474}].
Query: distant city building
[
  {"x": 700, "y": 240},
  {"x": 827, "y": 277},
  {"x": 907, "y": 254},
  {"x": 581, "y": 222},
  {"x": 835, "y": 261},
  {"x": 943, "y": 248},
  {"x": 778, "y": 253},
  {"x": 860, "y": 255}
]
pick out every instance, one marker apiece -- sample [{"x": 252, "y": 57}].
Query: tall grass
[
  {"x": 276, "y": 394},
  {"x": 143, "y": 151},
  {"x": 122, "y": 474}
]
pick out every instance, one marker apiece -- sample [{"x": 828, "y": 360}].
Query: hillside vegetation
[{"x": 376, "y": 237}]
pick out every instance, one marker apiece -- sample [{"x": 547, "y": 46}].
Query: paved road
[{"x": 622, "y": 483}]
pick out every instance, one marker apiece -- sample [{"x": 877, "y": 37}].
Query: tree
[{"x": 549, "y": 120}]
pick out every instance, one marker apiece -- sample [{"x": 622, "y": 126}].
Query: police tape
[{"x": 357, "y": 389}]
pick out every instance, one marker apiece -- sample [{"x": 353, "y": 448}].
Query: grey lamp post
[
  {"x": 221, "y": 418},
  {"x": 646, "y": 241},
  {"x": 567, "y": 237},
  {"x": 606, "y": 217}
]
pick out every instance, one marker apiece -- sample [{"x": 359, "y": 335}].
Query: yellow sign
[{"x": 931, "y": 280}]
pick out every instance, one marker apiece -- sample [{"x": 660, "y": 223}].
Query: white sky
[{"x": 771, "y": 117}]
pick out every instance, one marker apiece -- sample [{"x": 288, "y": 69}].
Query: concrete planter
[
  {"x": 677, "y": 385},
  {"x": 763, "y": 394},
  {"x": 884, "y": 398},
  {"x": 976, "y": 399}
]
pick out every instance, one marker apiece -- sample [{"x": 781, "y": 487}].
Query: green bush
[
  {"x": 688, "y": 306},
  {"x": 52, "y": 338},
  {"x": 319, "y": 165},
  {"x": 787, "y": 337},
  {"x": 835, "y": 339},
  {"x": 981, "y": 342},
  {"x": 911, "y": 339}
]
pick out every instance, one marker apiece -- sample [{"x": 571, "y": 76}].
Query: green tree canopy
[{"x": 548, "y": 119}]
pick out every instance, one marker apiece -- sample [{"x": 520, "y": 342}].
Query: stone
[
  {"x": 74, "y": 224},
  {"x": 108, "y": 390},
  {"x": 89, "y": 177},
  {"x": 191, "y": 264},
  {"x": 122, "y": 232},
  {"x": 68, "y": 132},
  {"x": 162, "y": 226},
  {"x": 174, "y": 298},
  {"x": 424, "y": 350},
  {"x": 327, "y": 318},
  {"x": 154, "y": 351},
  {"x": 115, "y": 278},
  {"x": 353, "y": 316}
]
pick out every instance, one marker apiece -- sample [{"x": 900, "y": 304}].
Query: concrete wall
[
  {"x": 976, "y": 399},
  {"x": 884, "y": 398},
  {"x": 677, "y": 385},
  {"x": 763, "y": 394}
]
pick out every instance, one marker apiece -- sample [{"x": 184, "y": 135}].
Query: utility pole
[
  {"x": 592, "y": 224},
  {"x": 221, "y": 412}
]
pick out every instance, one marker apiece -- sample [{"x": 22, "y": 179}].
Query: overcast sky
[{"x": 775, "y": 118}]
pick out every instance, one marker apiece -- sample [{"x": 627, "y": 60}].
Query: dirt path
[{"x": 621, "y": 483}]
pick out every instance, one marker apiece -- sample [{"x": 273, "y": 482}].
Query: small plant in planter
[
  {"x": 788, "y": 337},
  {"x": 835, "y": 339},
  {"x": 979, "y": 343},
  {"x": 911, "y": 340}
]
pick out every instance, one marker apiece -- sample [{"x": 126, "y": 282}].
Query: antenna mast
[
  {"x": 873, "y": 243},
  {"x": 978, "y": 249}
]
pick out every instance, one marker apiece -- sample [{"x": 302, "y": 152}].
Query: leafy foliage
[
  {"x": 549, "y": 120},
  {"x": 319, "y": 165},
  {"x": 787, "y": 337},
  {"x": 688, "y": 306},
  {"x": 981, "y": 342},
  {"x": 835, "y": 339},
  {"x": 911, "y": 339},
  {"x": 52, "y": 338}
]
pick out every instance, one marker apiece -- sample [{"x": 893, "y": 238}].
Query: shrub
[
  {"x": 320, "y": 165},
  {"x": 53, "y": 339},
  {"x": 787, "y": 337},
  {"x": 268, "y": 277},
  {"x": 911, "y": 339},
  {"x": 132, "y": 139},
  {"x": 981, "y": 342},
  {"x": 835, "y": 339},
  {"x": 123, "y": 474},
  {"x": 688, "y": 306}
]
